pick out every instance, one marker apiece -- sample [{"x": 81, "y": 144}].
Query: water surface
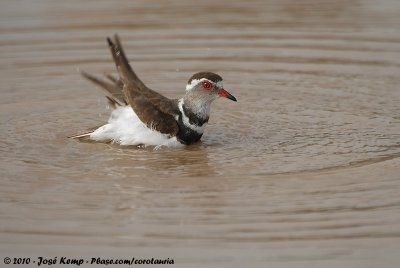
[{"x": 302, "y": 170}]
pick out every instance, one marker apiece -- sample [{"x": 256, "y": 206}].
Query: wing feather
[
  {"x": 112, "y": 90},
  {"x": 134, "y": 84},
  {"x": 153, "y": 109}
]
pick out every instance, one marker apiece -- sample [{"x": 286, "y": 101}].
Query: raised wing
[
  {"x": 152, "y": 108},
  {"x": 112, "y": 90}
]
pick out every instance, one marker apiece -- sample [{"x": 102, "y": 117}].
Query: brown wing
[
  {"x": 153, "y": 109},
  {"x": 150, "y": 115},
  {"x": 113, "y": 90}
]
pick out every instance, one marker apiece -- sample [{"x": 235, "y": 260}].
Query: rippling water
[{"x": 303, "y": 168}]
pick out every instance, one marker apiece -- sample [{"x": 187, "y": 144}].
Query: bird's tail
[
  {"x": 85, "y": 136},
  {"x": 81, "y": 136}
]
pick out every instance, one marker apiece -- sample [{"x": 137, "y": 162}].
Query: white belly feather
[{"x": 125, "y": 128}]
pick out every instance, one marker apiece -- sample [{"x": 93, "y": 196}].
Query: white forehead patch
[{"x": 195, "y": 82}]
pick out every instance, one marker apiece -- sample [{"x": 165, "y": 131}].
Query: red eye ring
[{"x": 206, "y": 85}]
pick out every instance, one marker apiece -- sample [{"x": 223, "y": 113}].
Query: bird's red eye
[{"x": 206, "y": 85}]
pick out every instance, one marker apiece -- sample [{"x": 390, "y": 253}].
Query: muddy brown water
[{"x": 303, "y": 171}]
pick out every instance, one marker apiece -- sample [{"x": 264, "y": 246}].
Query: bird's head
[{"x": 207, "y": 86}]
